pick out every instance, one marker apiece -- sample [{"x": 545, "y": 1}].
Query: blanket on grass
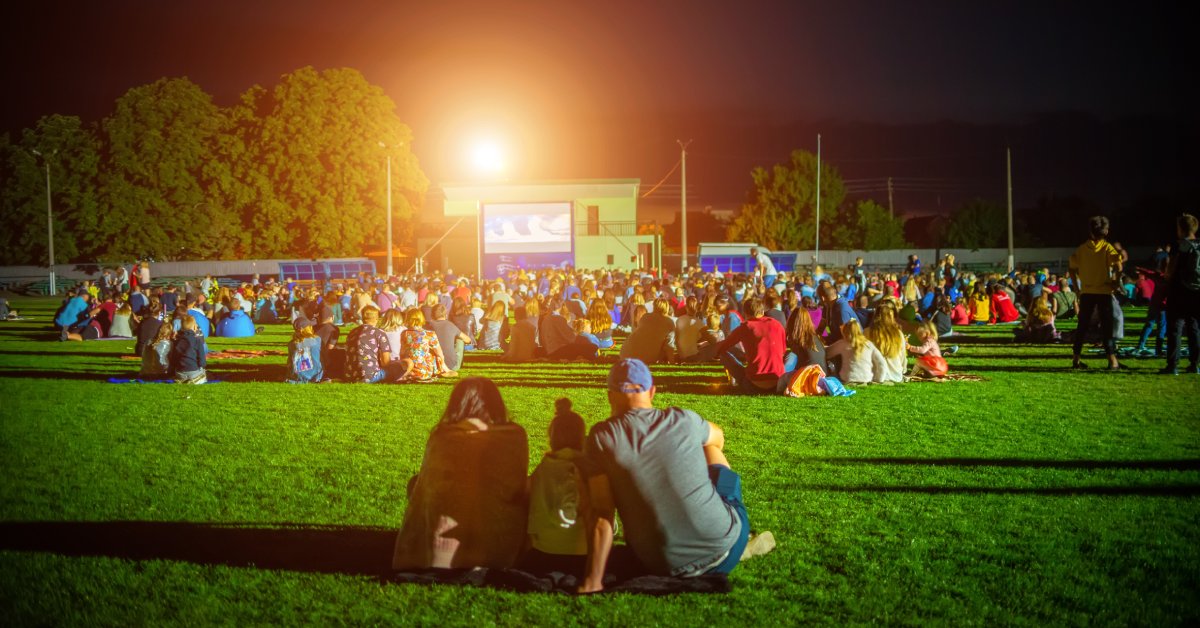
[
  {"x": 557, "y": 582},
  {"x": 228, "y": 354},
  {"x": 948, "y": 377},
  {"x": 126, "y": 380}
]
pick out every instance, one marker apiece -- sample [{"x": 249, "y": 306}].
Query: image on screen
[{"x": 527, "y": 228}]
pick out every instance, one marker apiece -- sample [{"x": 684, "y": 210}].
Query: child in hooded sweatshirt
[
  {"x": 188, "y": 357},
  {"x": 557, "y": 535}
]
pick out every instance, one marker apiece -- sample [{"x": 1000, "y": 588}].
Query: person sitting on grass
[
  {"x": 188, "y": 354},
  {"x": 421, "y": 357},
  {"x": 147, "y": 329},
  {"x": 602, "y": 323},
  {"x": 1002, "y": 306},
  {"x": 1039, "y": 324},
  {"x": 981, "y": 306},
  {"x": 587, "y": 345},
  {"x": 959, "y": 315},
  {"x": 804, "y": 346},
  {"x": 73, "y": 312},
  {"x": 929, "y": 362},
  {"x": 557, "y": 534},
  {"x": 333, "y": 359},
  {"x": 452, "y": 338},
  {"x": 666, "y": 473},
  {"x": 304, "y": 354},
  {"x": 120, "y": 327},
  {"x": 885, "y": 333},
  {"x": 653, "y": 338},
  {"x": 859, "y": 359},
  {"x": 687, "y": 329},
  {"x": 523, "y": 347},
  {"x": 391, "y": 323},
  {"x": 156, "y": 355},
  {"x": 493, "y": 333},
  {"x": 468, "y": 505},
  {"x": 763, "y": 340},
  {"x": 368, "y": 354},
  {"x": 837, "y": 312}
]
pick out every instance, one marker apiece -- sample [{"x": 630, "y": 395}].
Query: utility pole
[
  {"x": 891, "y": 208},
  {"x": 683, "y": 202},
  {"x": 389, "y": 216},
  {"x": 49, "y": 221},
  {"x": 817, "y": 247},
  {"x": 1008, "y": 168}
]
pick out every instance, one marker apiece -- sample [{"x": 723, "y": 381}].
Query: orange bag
[{"x": 803, "y": 383}]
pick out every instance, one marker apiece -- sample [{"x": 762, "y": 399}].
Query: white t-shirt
[{"x": 768, "y": 267}]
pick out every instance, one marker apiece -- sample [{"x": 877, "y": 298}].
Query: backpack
[
  {"x": 1187, "y": 270},
  {"x": 303, "y": 360}
]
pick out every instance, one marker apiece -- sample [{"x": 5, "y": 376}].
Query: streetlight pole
[
  {"x": 49, "y": 222},
  {"x": 1008, "y": 176},
  {"x": 683, "y": 198},
  {"x": 389, "y": 209},
  {"x": 817, "y": 245}
]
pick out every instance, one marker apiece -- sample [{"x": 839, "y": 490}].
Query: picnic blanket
[
  {"x": 948, "y": 377},
  {"x": 557, "y": 582},
  {"x": 228, "y": 354},
  {"x": 126, "y": 380}
]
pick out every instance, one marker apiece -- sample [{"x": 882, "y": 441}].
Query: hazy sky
[{"x": 582, "y": 88}]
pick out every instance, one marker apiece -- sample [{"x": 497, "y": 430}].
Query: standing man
[
  {"x": 1093, "y": 265},
  {"x": 666, "y": 473},
  {"x": 145, "y": 274},
  {"x": 764, "y": 266},
  {"x": 1183, "y": 298}
]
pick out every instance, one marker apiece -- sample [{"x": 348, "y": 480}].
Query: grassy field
[{"x": 1038, "y": 496}]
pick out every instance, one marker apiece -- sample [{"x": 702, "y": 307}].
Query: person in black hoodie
[
  {"x": 188, "y": 353},
  {"x": 148, "y": 328}
]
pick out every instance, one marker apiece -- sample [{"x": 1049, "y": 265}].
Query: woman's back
[{"x": 468, "y": 506}]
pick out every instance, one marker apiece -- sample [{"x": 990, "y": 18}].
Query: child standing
[{"x": 557, "y": 534}]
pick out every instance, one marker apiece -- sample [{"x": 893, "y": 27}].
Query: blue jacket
[
  {"x": 188, "y": 354},
  {"x": 71, "y": 314}
]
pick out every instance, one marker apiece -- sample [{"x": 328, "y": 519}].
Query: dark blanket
[{"x": 556, "y": 582}]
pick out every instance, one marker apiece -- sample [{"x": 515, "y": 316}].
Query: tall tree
[
  {"x": 314, "y": 150},
  {"x": 158, "y": 177},
  {"x": 73, "y": 154},
  {"x": 976, "y": 225},
  {"x": 780, "y": 211},
  {"x": 875, "y": 229}
]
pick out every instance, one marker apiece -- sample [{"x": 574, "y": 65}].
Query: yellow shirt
[{"x": 1093, "y": 263}]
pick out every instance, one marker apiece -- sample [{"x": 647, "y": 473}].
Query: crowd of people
[{"x": 764, "y": 327}]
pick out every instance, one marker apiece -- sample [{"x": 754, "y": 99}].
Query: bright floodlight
[{"x": 487, "y": 158}]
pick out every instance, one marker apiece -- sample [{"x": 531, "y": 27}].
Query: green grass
[{"x": 1039, "y": 496}]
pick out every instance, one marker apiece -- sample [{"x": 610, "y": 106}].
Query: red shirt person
[
  {"x": 1003, "y": 310},
  {"x": 764, "y": 341}
]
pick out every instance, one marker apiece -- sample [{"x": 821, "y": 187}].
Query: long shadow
[
  {"x": 318, "y": 549},
  {"x": 85, "y": 354},
  {"x": 1183, "y": 464},
  {"x": 1097, "y": 366},
  {"x": 1178, "y": 490},
  {"x": 35, "y": 374}
]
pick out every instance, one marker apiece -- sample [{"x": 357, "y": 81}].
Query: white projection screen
[{"x": 527, "y": 228}]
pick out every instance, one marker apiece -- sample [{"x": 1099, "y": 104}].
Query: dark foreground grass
[{"x": 1038, "y": 496}]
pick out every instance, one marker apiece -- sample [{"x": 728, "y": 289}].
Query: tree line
[{"x": 296, "y": 170}]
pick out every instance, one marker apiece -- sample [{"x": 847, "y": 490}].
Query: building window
[
  {"x": 593, "y": 220},
  {"x": 610, "y": 260}
]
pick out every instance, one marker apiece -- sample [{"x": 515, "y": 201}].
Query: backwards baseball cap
[{"x": 630, "y": 376}]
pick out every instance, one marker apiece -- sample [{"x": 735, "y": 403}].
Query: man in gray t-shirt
[
  {"x": 665, "y": 472},
  {"x": 653, "y": 340}
]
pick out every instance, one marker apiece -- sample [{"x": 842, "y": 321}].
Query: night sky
[{"x": 581, "y": 90}]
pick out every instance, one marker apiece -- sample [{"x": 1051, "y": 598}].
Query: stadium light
[{"x": 487, "y": 157}]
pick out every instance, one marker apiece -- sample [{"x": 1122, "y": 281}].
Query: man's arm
[
  {"x": 598, "y": 504},
  {"x": 716, "y": 436}
]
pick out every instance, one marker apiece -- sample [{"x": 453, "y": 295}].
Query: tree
[
  {"x": 976, "y": 225},
  {"x": 160, "y": 182},
  {"x": 310, "y": 152},
  {"x": 73, "y": 153},
  {"x": 780, "y": 211},
  {"x": 875, "y": 229}
]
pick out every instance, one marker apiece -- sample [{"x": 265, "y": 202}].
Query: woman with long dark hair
[{"x": 467, "y": 506}]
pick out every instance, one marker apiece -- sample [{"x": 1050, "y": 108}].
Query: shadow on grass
[
  {"x": 1185, "y": 464},
  {"x": 1176, "y": 490},
  {"x": 319, "y": 549},
  {"x": 85, "y": 354}
]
